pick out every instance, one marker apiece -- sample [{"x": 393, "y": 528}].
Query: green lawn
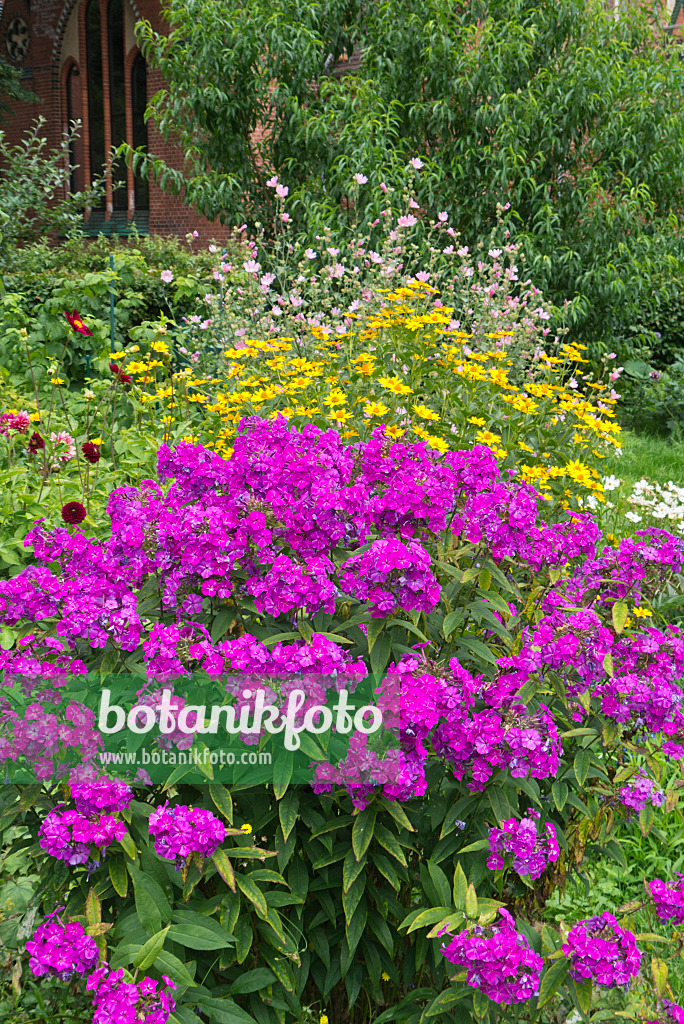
[{"x": 655, "y": 458}]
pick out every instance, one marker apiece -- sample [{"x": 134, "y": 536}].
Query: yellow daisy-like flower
[
  {"x": 56, "y": 380},
  {"x": 425, "y": 413},
  {"x": 160, "y": 346},
  {"x": 336, "y": 397},
  {"x": 385, "y": 976},
  {"x": 642, "y": 613},
  {"x": 477, "y": 421},
  {"x": 438, "y": 443},
  {"x": 395, "y": 385},
  {"x": 247, "y": 829},
  {"x": 323, "y": 1019},
  {"x": 375, "y": 409},
  {"x": 394, "y": 431},
  {"x": 487, "y": 437}
]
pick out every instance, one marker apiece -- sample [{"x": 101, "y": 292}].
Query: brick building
[{"x": 80, "y": 57}]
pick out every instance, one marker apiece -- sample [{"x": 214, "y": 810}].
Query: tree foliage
[{"x": 572, "y": 116}]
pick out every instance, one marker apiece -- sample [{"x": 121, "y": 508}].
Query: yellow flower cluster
[{"x": 404, "y": 368}]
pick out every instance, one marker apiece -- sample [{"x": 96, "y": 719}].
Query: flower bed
[{"x": 527, "y": 720}]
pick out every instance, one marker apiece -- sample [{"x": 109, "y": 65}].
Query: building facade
[{"x": 81, "y": 59}]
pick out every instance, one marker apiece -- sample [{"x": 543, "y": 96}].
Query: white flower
[
  {"x": 611, "y": 483},
  {"x": 633, "y": 517}
]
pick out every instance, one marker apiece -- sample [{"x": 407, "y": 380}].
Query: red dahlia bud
[
  {"x": 35, "y": 443},
  {"x": 91, "y": 452},
  {"x": 73, "y": 512}
]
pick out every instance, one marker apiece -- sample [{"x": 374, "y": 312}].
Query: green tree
[
  {"x": 574, "y": 117},
  {"x": 12, "y": 89}
]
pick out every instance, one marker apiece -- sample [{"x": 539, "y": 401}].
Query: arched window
[
  {"x": 117, "y": 96},
  {"x": 106, "y": 88},
  {"x": 96, "y": 121},
  {"x": 138, "y": 105},
  {"x": 74, "y": 113}
]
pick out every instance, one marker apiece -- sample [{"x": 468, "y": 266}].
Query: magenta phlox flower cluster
[
  {"x": 429, "y": 706},
  {"x": 521, "y": 843},
  {"x": 95, "y": 794},
  {"x": 128, "y": 1002},
  {"x": 398, "y": 774},
  {"x": 641, "y": 789},
  {"x": 668, "y": 899},
  {"x": 181, "y": 831},
  {"x": 600, "y": 951},
  {"x": 62, "y": 950},
  {"x": 391, "y": 575},
  {"x": 40, "y": 735},
  {"x": 290, "y": 584},
  {"x": 70, "y": 836},
  {"x": 499, "y": 961},
  {"x": 669, "y": 1013}
]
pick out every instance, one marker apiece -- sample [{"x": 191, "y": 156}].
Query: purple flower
[
  {"x": 116, "y": 1000},
  {"x": 499, "y": 961},
  {"x": 601, "y": 951},
  {"x": 181, "y": 831},
  {"x": 61, "y": 950},
  {"x": 668, "y": 899},
  {"x": 521, "y": 843}
]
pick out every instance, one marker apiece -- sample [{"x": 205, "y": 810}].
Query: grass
[{"x": 654, "y": 458}]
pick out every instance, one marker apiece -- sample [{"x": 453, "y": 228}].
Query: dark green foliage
[{"x": 573, "y": 117}]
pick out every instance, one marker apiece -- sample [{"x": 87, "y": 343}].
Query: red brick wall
[{"x": 44, "y": 74}]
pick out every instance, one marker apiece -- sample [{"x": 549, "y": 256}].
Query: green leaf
[
  {"x": 223, "y": 801},
  {"x": 148, "y": 953},
  {"x": 221, "y": 623},
  {"x": 118, "y": 874},
  {"x": 223, "y": 865},
  {"x": 362, "y": 832},
  {"x": 559, "y": 791},
  {"x": 581, "y": 765},
  {"x": 460, "y": 887},
  {"x": 223, "y": 1011},
  {"x": 351, "y": 869},
  {"x": 583, "y": 994},
  {"x": 375, "y": 629},
  {"x": 167, "y": 963},
  {"x": 253, "y": 894},
  {"x": 440, "y": 882},
  {"x": 423, "y": 918},
  {"x": 646, "y": 819},
  {"x": 288, "y": 808},
  {"x": 252, "y": 981},
  {"x": 196, "y": 931},
  {"x": 620, "y": 614},
  {"x": 552, "y": 979},
  {"x": 471, "y": 906}
]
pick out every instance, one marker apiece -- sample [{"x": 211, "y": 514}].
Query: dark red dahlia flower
[
  {"x": 35, "y": 443},
  {"x": 77, "y": 323},
  {"x": 123, "y": 377},
  {"x": 91, "y": 452},
  {"x": 73, "y": 513}
]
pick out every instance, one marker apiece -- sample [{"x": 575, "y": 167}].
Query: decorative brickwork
[{"x": 57, "y": 45}]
